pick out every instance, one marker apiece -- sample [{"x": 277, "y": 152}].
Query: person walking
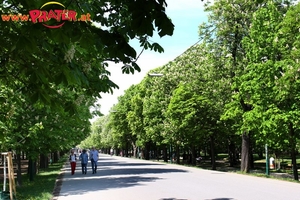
[
  {"x": 84, "y": 160},
  {"x": 94, "y": 159},
  {"x": 72, "y": 159}
]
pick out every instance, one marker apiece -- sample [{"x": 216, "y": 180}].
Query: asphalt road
[{"x": 120, "y": 178}]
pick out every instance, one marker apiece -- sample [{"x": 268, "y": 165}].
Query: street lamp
[{"x": 155, "y": 74}]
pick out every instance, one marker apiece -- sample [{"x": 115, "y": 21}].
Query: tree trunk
[
  {"x": 294, "y": 162},
  {"x": 177, "y": 154},
  {"x": 212, "y": 153},
  {"x": 126, "y": 150},
  {"x": 147, "y": 150},
  {"x": 165, "y": 154},
  {"x": 293, "y": 152},
  {"x": 245, "y": 165},
  {"x": 231, "y": 154},
  {"x": 251, "y": 147},
  {"x": 55, "y": 157},
  {"x": 31, "y": 169},
  {"x": 43, "y": 161},
  {"x": 134, "y": 149},
  {"x": 157, "y": 153},
  {"x": 193, "y": 155}
]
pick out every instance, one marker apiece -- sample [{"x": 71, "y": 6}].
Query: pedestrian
[
  {"x": 84, "y": 160},
  {"x": 94, "y": 159},
  {"x": 111, "y": 151},
  {"x": 72, "y": 159}
]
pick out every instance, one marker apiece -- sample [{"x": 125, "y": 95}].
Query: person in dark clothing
[{"x": 84, "y": 157}]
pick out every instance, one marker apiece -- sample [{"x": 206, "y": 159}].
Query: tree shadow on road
[
  {"x": 138, "y": 171},
  {"x": 79, "y": 187},
  {"x": 172, "y": 199},
  {"x": 220, "y": 199},
  {"x": 205, "y": 199},
  {"x": 108, "y": 177},
  {"x": 125, "y": 171},
  {"x": 126, "y": 164}
]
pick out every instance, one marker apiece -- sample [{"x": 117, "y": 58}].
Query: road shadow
[
  {"x": 101, "y": 183},
  {"x": 172, "y": 199},
  {"x": 138, "y": 171},
  {"x": 221, "y": 199},
  {"x": 124, "y": 171},
  {"x": 112, "y": 175},
  {"x": 79, "y": 186},
  {"x": 101, "y": 163},
  {"x": 205, "y": 199}
]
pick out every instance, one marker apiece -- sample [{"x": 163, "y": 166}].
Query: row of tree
[
  {"x": 236, "y": 91},
  {"x": 50, "y": 79}
]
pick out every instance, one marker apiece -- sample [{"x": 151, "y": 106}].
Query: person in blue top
[
  {"x": 94, "y": 159},
  {"x": 84, "y": 160}
]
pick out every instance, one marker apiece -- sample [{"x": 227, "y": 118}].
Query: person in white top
[
  {"x": 72, "y": 159},
  {"x": 94, "y": 159}
]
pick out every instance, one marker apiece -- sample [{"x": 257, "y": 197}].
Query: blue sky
[{"x": 186, "y": 15}]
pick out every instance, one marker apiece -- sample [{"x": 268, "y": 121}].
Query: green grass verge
[{"x": 41, "y": 188}]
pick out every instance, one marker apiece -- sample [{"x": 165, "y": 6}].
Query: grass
[
  {"x": 41, "y": 188},
  {"x": 285, "y": 173}
]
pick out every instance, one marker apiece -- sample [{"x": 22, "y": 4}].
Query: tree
[
  {"x": 270, "y": 81},
  {"x": 228, "y": 24}
]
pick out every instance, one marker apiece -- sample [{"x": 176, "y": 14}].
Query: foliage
[
  {"x": 58, "y": 56},
  {"x": 259, "y": 83},
  {"x": 271, "y": 82}
]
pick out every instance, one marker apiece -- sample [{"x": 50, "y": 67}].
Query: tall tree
[
  {"x": 271, "y": 77},
  {"x": 228, "y": 24}
]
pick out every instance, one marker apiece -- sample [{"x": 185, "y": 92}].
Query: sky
[{"x": 186, "y": 15}]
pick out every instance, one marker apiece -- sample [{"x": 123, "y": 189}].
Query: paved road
[{"x": 120, "y": 178}]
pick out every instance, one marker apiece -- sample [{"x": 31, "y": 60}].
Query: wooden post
[
  {"x": 11, "y": 175},
  {"x": 4, "y": 170}
]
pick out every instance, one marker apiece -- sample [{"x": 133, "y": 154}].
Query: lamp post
[
  {"x": 267, "y": 160},
  {"x": 155, "y": 74}
]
